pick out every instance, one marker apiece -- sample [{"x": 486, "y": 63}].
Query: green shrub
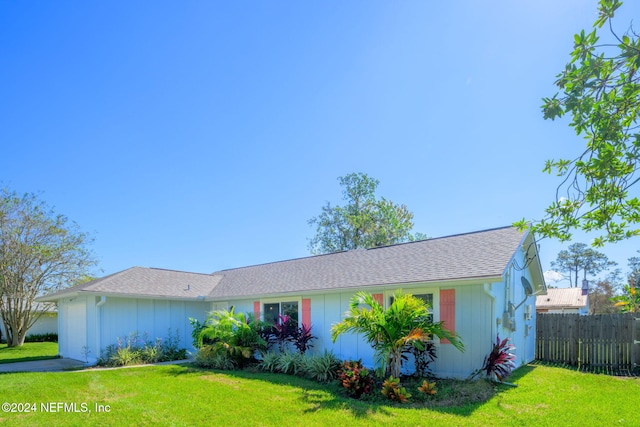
[
  {"x": 269, "y": 362},
  {"x": 135, "y": 349},
  {"x": 231, "y": 331},
  {"x": 151, "y": 354},
  {"x": 212, "y": 357},
  {"x": 197, "y": 328},
  {"x": 126, "y": 356},
  {"x": 322, "y": 368},
  {"x": 290, "y": 363},
  {"x": 48, "y": 337}
]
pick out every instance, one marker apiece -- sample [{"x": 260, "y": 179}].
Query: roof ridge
[
  {"x": 281, "y": 261},
  {"x": 429, "y": 239},
  {"x": 362, "y": 249},
  {"x": 175, "y": 271},
  {"x": 98, "y": 279}
]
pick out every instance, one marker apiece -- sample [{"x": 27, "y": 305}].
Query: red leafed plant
[
  {"x": 301, "y": 338},
  {"x": 500, "y": 362},
  {"x": 355, "y": 378},
  {"x": 428, "y": 388},
  {"x": 392, "y": 390}
]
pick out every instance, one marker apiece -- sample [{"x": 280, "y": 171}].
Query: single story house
[
  {"x": 481, "y": 284},
  {"x": 564, "y": 300},
  {"x": 47, "y": 322}
]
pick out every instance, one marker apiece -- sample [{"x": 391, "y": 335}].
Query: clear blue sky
[{"x": 202, "y": 135}]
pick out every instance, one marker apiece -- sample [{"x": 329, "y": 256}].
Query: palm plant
[
  {"x": 221, "y": 325},
  {"x": 391, "y": 332},
  {"x": 230, "y": 333}
]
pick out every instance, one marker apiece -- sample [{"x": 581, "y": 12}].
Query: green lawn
[
  {"x": 181, "y": 395},
  {"x": 29, "y": 351}
]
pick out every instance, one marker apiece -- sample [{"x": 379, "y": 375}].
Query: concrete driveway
[{"x": 49, "y": 365}]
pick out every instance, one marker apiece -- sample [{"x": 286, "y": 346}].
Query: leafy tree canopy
[
  {"x": 629, "y": 301},
  {"x": 601, "y": 293},
  {"x": 363, "y": 222},
  {"x": 580, "y": 258},
  {"x": 40, "y": 252},
  {"x": 600, "y": 90},
  {"x": 634, "y": 271}
]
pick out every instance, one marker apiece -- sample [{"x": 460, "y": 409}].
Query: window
[
  {"x": 428, "y": 298},
  {"x": 273, "y": 309}
]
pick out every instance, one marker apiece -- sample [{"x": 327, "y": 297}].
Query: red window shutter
[
  {"x": 448, "y": 311},
  {"x": 379, "y": 298},
  {"x": 306, "y": 311},
  {"x": 256, "y": 310}
]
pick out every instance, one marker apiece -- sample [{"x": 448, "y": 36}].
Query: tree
[
  {"x": 600, "y": 90},
  {"x": 629, "y": 301},
  {"x": 391, "y": 332},
  {"x": 602, "y": 291},
  {"x": 363, "y": 222},
  {"x": 40, "y": 252},
  {"x": 634, "y": 271},
  {"x": 580, "y": 258}
]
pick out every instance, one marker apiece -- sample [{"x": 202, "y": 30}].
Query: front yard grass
[
  {"x": 29, "y": 351},
  {"x": 183, "y": 395}
]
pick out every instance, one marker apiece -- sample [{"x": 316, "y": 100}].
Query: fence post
[{"x": 635, "y": 344}]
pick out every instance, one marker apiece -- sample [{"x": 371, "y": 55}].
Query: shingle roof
[
  {"x": 562, "y": 298},
  {"x": 141, "y": 281},
  {"x": 472, "y": 255},
  {"x": 481, "y": 254}
]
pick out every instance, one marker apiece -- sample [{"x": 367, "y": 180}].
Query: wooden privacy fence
[{"x": 608, "y": 341}]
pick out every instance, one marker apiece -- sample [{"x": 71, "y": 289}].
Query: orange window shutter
[
  {"x": 256, "y": 310},
  {"x": 379, "y": 298},
  {"x": 448, "y": 311},
  {"x": 306, "y": 311}
]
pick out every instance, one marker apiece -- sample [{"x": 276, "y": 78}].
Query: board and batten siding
[
  {"x": 84, "y": 323},
  {"x": 153, "y": 317},
  {"x": 473, "y": 324},
  {"x": 328, "y": 309},
  {"x": 522, "y": 336}
]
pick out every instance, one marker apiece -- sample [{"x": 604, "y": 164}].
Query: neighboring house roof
[
  {"x": 482, "y": 254},
  {"x": 43, "y": 307},
  {"x": 561, "y": 298}
]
